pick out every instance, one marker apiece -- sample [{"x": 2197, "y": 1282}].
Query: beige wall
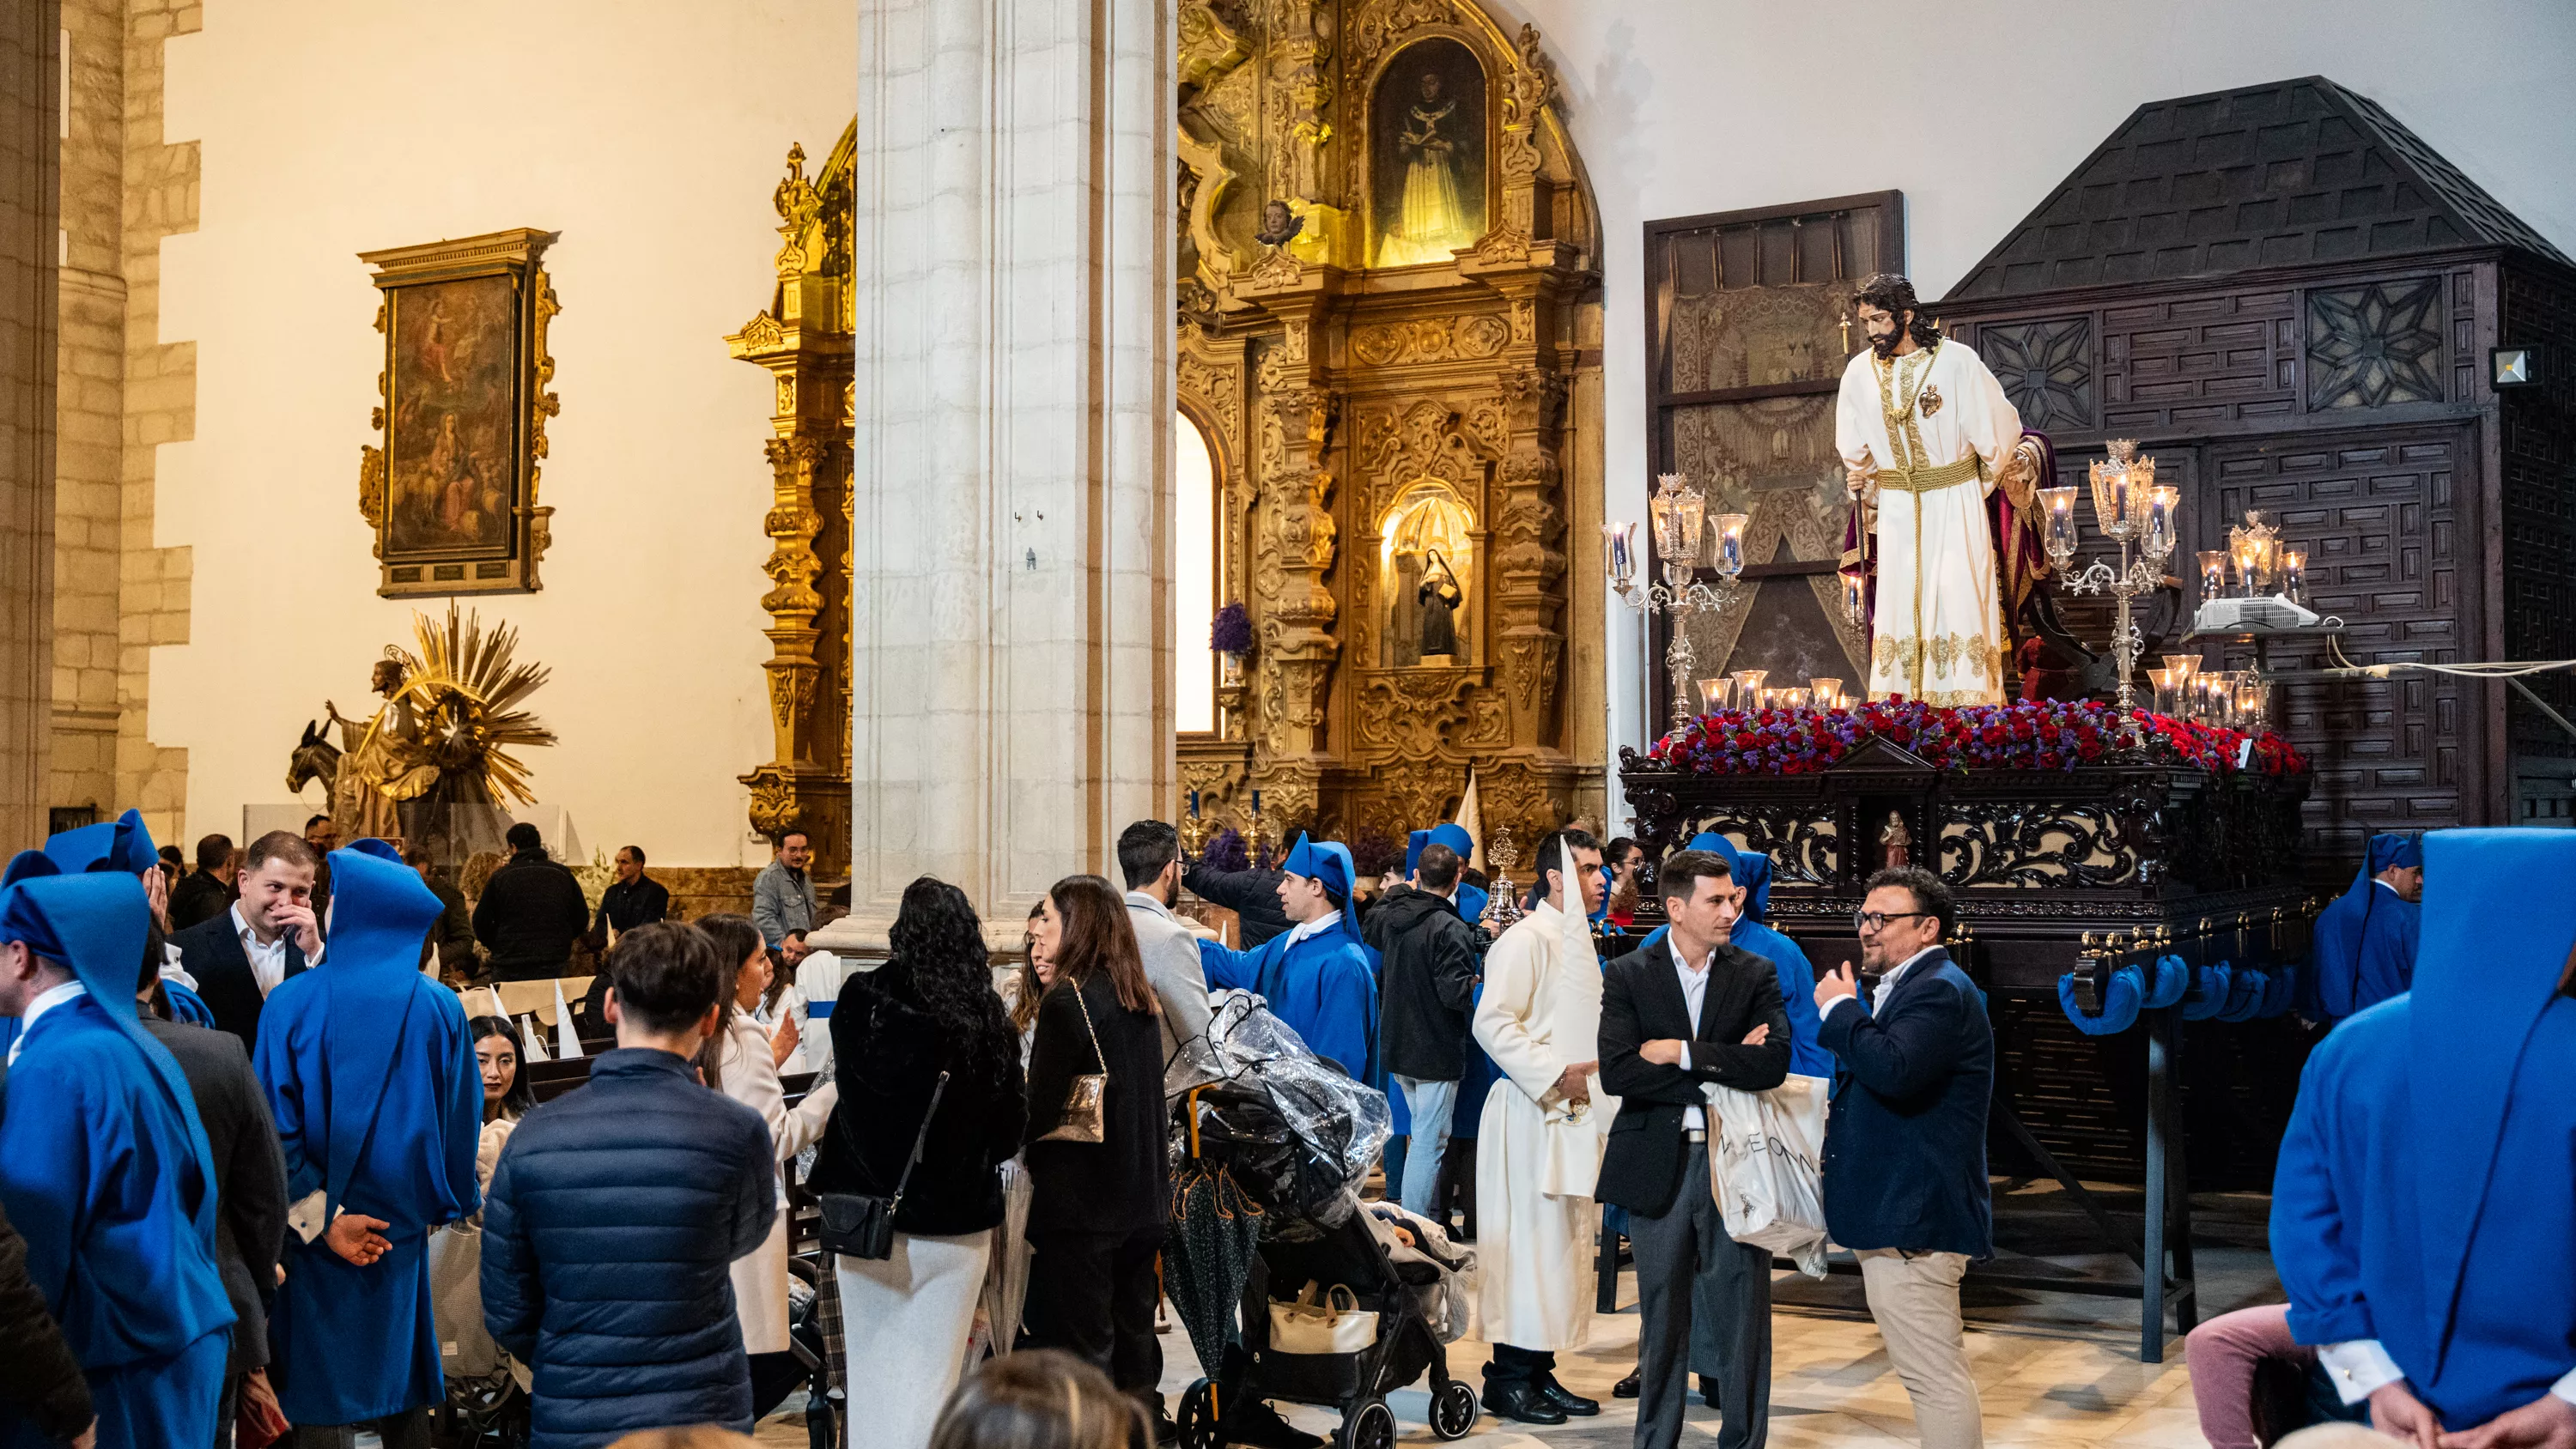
[
  {"x": 1976, "y": 110},
  {"x": 649, "y": 133}
]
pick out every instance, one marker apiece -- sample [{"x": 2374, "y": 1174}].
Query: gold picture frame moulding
[{"x": 462, "y": 406}]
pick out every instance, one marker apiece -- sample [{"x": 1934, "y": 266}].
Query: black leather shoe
[
  {"x": 1567, "y": 1399},
  {"x": 1625, "y": 1389},
  {"x": 1256, "y": 1425},
  {"x": 1524, "y": 1402}
]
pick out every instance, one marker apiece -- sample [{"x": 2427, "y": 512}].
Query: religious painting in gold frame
[
  {"x": 452, "y": 493},
  {"x": 1427, "y": 154},
  {"x": 1428, "y": 556}
]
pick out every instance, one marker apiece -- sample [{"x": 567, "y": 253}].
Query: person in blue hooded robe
[
  {"x": 2424, "y": 1207},
  {"x": 104, "y": 1167},
  {"x": 1753, "y": 932},
  {"x": 1320, "y": 978},
  {"x": 371, "y": 1075},
  {"x": 2366, "y": 937}
]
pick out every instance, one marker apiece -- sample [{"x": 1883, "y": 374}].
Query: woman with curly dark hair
[
  {"x": 929, "y": 1009},
  {"x": 1103, "y": 1190}
]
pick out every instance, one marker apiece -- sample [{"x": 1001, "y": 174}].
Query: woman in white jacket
[{"x": 738, "y": 1062}]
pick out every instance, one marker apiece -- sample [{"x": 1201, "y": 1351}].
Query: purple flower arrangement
[
  {"x": 2018, "y": 735},
  {"x": 1231, "y": 633}
]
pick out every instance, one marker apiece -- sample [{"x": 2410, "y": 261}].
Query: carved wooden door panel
[
  {"x": 2386, "y": 527},
  {"x": 1745, "y": 351}
]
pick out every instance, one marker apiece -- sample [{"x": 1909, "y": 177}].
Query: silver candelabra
[
  {"x": 1681, "y": 523},
  {"x": 2134, "y": 511}
]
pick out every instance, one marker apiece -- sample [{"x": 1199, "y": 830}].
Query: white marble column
[{"x": 1010, "y": 533}]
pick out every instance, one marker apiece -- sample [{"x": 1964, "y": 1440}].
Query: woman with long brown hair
[{"x": 1102, "y": 1188}]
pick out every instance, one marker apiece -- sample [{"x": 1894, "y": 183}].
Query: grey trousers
[{"x": 1704, "y": 1301}]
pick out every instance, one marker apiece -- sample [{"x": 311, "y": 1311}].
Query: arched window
[{"x": 1196, "y": 578}]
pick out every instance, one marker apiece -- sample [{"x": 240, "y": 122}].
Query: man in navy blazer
[
  {"x": 1905, "y": 1143},
  {"x": 273, "y": 932}
]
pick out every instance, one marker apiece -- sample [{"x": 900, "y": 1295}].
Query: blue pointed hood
[
  {"x": 1330, "y": 862},
  {"x": 380, "y": 915},
  {"x": 2488, "y": 967},
  {"x": 95, "y": 924},
  {"x": 1413, "y": 846},
  {"x": 123, "y": 844},
  {"x": 1751, "y": 869}
]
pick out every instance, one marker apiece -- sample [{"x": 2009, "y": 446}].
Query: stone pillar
[
  {"x": 30, "y": 168},
  {"x": 1011, "y": 471}
]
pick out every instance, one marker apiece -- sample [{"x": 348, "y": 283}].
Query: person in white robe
[
  {"x": 1925, "y": 433},
  {"x": 1540, "y": 1139}
]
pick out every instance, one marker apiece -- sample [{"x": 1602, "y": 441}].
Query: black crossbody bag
[{"x": 860, "y": 1224}]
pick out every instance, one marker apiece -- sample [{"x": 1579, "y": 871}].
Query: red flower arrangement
[{"x": 2019, "y": 735}]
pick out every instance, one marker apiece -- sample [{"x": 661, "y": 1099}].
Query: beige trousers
[{"x": 1915, "y": 1298}]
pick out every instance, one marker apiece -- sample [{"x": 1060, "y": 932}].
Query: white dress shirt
[
  {"x": 1886, "y": 983},
  {"x": 1694, "y": 980},
  {"x": 267, "y": 962},
  {"x": 46, "y": 1000},
  {"x": 2361, "y": 1367}
]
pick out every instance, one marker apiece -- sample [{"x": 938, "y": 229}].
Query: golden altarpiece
[{"x": 1389, "y": 335}]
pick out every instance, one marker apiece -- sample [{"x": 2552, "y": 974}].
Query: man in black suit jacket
[
  {"x": 250, "y": 1181},
  {"x": 205, "y": 892},
  {"x": 271, "y": 933},
  {"x": 1905, "y": 1143},
  {"x": 1677, "y": 1016}
]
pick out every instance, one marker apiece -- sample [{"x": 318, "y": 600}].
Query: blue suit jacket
[{"x": 1905, "y": 1144}]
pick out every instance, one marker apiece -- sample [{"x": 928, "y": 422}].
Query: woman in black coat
[
  {"x": 930, "y": 1008},
  {"x": 1098, "y": 1216}
]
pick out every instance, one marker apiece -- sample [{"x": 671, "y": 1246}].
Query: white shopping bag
[{"x": 1765, "y": 1164}]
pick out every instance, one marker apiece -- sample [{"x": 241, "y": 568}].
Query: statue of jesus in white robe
[{"x": 1925, "y": 432}]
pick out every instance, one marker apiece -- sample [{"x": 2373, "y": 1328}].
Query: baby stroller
[{"x": 1272, "y": 1145}]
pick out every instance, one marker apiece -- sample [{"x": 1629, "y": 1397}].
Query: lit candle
[
  {"x": 1821, "y": 692},
  {"x": 2163, "y": 680},
  {"x": 2294, "y": 575},
  {"x": 1712, "y": 695},
  {"x": 2120, "y": 494},
  {"x": 1853, "y": 598},
  {"x": 1748, "y": 686},
  {"x": 2213, "y": 573},
  {"x": 1793, "y": 700}
]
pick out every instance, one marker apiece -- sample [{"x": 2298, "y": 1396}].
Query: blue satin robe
[
  {"x": 1324, "y": 988},
  {"x": 2348, "y": 1233},
  {"x": 98, "y": 1173},
  {"x": 356, "y": 1343},
  {"x": 2366, "y": 942}
]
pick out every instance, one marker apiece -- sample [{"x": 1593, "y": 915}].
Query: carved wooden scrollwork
[{"x": 2012, "y": 843}]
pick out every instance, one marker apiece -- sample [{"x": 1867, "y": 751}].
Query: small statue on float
[{"x": 1896, "y": 843}]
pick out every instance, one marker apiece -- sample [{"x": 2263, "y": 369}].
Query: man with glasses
[{"x": 1905, "y": 1143}]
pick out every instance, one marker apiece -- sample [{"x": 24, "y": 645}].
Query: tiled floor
[{"x": 2056, "y": 1371}]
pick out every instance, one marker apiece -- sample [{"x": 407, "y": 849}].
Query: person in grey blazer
[{"x": 1149, "y": 854}]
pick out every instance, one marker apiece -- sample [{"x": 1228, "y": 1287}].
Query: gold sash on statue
[{"x": 1925, "y": 480}]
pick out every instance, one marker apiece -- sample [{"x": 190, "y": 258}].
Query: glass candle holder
[
  {"x": 1680, "y": 515},
  {"x": 2183, "y": 667},
  {"x": 1822, "y": 692},
  {"x": 1619, "y": 554},
  {"x": 2163, "y": 680},
  {"x": 2059, "y": 505},
  {"x": 2213, "y": 573},
  {"x": 2294, "y": 575},
  {"x": 2160, "y": 524},
  {"x": 1748, "y": 686},
  {"x": 1855, "y": 599},
  {"x": 1714, "y": 694},
  {"x": 1730, "y": 543},
  {"x": 1794, "y": 700}
]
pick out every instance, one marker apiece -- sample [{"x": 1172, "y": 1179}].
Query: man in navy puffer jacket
[{"x": 617, "y": 1207}]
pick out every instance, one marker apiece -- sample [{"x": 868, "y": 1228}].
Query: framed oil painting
[
  {"x": 1427, "y": 150},
  {"x": 452, "y": 493}
]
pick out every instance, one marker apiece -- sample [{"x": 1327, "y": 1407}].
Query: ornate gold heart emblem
[{"x": 1930, "y": 401}]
